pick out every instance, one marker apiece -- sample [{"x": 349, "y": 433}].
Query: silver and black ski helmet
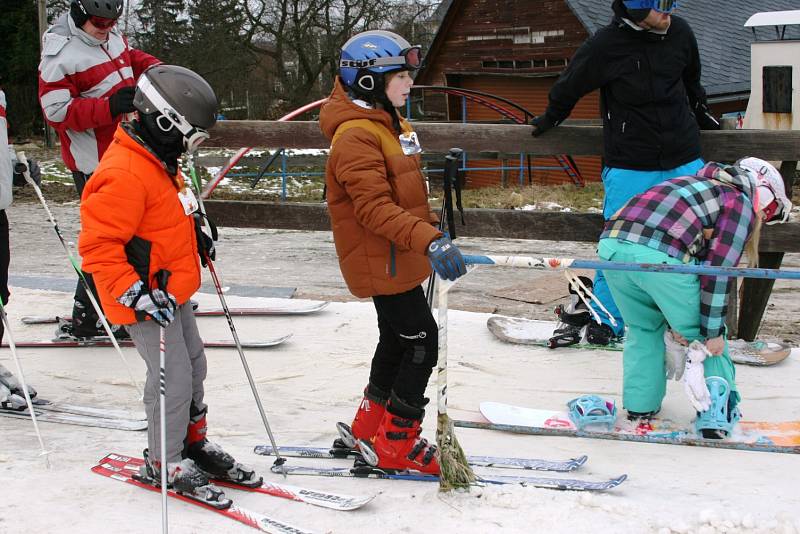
[
  {"x": 182, "y": 98},
  {"x": 107, "y": 9}
]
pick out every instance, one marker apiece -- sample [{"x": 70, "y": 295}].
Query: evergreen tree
[
  {"x": 19, "y": 57},
  {"x": 163, "y": 29},
  {"x": 217, "y": 45}
]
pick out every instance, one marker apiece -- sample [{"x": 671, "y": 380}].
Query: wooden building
[{"x": 516, "y": 49}]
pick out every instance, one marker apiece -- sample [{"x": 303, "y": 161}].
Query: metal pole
[
  {"x": 49, "y": 134},
  {"x": 556, "y": 264}
]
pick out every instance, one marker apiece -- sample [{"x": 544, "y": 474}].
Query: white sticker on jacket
[
  {"x": 410, "y": 143},
  {"x": 188, "y": 201}
]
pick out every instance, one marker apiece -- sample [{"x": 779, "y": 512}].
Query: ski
[
  {"x": 87, "y": 411},
  {"x": 289, "y": 308},
  {"x": 532, "y": 464},
  {"x": 79, "y": 420},
  {"x": 536, "y": 482},
  {"x": 105, "y": 342},
  {"x": 333, "y": 501},
  {"x": 250, "y": 518}
]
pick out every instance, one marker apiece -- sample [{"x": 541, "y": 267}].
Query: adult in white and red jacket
[
  {"x": 87, "y": 76},
  {"x": 87, "y": 79}
]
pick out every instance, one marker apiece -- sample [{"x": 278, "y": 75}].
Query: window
[{"x": 777, "y": 86}]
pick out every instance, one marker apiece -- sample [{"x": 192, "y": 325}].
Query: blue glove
[{"x": 446, "y": 259}]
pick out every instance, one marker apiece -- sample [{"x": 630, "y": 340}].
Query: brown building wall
[{"x": 510, "y": 48}]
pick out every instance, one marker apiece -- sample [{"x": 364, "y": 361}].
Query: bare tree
[{"x": 303, "y": 38}]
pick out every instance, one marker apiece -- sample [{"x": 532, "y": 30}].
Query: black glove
[
  {"x": 19, "y": 172},
  {"x": 205, "y": 243},
  {"x": 541, "y": 124},
  {"x": 705, "y": 119},
  {"x": 122, "y": 101}
]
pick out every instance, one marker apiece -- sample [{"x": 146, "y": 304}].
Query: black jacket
[{"x": 649, "y": 86}]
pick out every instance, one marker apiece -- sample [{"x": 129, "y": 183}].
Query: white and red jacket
[{"x": 77, "y": 74}]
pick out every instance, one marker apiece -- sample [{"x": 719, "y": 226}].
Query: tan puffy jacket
[{"x": 377, "y": 198}]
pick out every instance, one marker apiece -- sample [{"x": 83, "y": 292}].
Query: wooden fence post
[{"x": 756, "y": 292}]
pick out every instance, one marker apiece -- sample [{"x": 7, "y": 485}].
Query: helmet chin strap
[{"x": 193, "y": 137}]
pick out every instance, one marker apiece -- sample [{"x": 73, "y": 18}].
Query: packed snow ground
[{"x": 315, "y": 379}]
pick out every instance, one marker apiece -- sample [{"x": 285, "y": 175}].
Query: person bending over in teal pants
[{"x": 708, "y": 219}]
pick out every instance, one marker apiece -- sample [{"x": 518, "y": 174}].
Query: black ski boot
[
  {"x": 213, "y": 460},
  {"x": 185, "y": 478},
  {"x": 571, "y": 319},
  {"x": 12, "y": 397}
]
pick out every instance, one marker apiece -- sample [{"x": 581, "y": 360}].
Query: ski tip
[
  {"x": 618, "y": 480},
  {"x": 580, "y": 460}
]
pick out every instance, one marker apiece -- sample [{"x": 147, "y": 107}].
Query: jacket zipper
[{"x": 392, "y": 262}]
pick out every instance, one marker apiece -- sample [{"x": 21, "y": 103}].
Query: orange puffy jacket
[
  {"x": 130, "y": 196},
  {"x": 377, "y": 198}
]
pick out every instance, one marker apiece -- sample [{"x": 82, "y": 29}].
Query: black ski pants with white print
[{"x": 408, "y": 346}]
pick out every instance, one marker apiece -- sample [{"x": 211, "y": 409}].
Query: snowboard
[
  {"x": 290, "y": 307},
  {"x": 529, "y": 332},
  {"x": 747, "y": 435}
]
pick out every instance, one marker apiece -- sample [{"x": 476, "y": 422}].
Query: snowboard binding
[
  {"x": 718, "y": 421},
  {"x": 588, "y": 410},
  {"x": 572, "y": 319}
]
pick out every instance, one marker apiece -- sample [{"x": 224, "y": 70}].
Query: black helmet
[
  {"x": 81, "y": 10},
  {"x": 181, "y": 98}
]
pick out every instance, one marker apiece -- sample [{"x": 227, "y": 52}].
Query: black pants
[
  {"x": 84, "y": 317},
  {"x": 5, "y": 257},
  {"x": 408, "y": 347}
]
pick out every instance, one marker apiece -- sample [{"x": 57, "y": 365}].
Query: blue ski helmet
[{"x": 368, "y": 56}]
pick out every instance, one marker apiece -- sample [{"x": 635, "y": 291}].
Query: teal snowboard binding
[{"x": 588, "y": 410}]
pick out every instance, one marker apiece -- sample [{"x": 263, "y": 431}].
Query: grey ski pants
[{"x": 185, "y": 368}]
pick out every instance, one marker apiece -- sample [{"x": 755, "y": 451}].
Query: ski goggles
[
  {"x": 409, "y": 59},
  {"x": 102, "y": 23},
  {"x": 193, "y": 136},
  {"x": 662, "y": 6}
]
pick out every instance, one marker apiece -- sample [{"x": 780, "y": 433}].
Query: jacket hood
[
  {"x": 64, "y": 26},
  {"x": 340, "y": 108}
]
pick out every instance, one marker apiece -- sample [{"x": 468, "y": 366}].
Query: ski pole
[
  {"x": 556, "y": 264},
  {"x": 26, "y": 173},
  {"x": 162, "y": 277},
  {"x": 446, "y": 213},
  {"x": 279, "y": 460},
  {"x": 13, "y": 347}
]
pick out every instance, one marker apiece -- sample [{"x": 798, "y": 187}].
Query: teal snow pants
[{"x": 650, "y": 302}]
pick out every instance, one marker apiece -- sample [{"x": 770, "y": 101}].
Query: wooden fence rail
[{"x": 723, "y": 145}]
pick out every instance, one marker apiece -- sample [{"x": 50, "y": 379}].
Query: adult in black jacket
[{"x": 647, "y": 67}]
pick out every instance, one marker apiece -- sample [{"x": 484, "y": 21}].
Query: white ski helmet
[
  {"x": 183, "y": 99},
  {"x": 770, "y": 188}
]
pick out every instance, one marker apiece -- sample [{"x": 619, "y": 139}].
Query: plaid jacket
[{"x": 671, "y": 216}]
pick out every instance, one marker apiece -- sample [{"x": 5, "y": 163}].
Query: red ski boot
[
  {"x": 366, "y": 422},
  {"x": 398, "y": 444}
]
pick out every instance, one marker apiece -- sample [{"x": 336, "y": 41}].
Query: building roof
[{"x": 723, "y": 40}]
